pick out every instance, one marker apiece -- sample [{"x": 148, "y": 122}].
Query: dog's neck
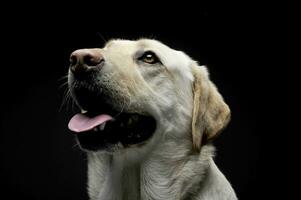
[{"x": 159, "y": 176}]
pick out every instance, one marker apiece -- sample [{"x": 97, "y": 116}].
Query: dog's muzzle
[{"x": 101, "y": 126}]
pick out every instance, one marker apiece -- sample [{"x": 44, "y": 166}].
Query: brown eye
[{"x": 149, "y": 57}]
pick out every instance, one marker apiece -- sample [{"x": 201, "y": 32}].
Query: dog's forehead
[
  {"x": 143, "y": 44},
  {"x": 175, "y": 60},
  {"x": 133, "y": 45},
  {"x": 119, "y": 44}
]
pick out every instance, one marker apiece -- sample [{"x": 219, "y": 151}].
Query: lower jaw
[
  {"x": 107, "y": 147},
  {"x": 94, "y": 141},
  {"x": 111, "y": 148}
]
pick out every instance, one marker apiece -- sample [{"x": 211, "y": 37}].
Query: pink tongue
[{"x": 80, "y": 123}]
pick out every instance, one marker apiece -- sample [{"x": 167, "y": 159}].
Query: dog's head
[{"x": 134, "y": 94}]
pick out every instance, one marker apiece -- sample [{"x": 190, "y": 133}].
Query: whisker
[
  {"x": 65, "y": 99},
  {"x": 73, "y": 106},
  {"x": 102, "y": 37},
  {"x": 64, "y": 77},
  {"x": 76, "y": 145},
  {"x": 63, "y": 84}
]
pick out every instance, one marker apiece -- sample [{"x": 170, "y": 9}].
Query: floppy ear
[{"x": 210, "y": 113}]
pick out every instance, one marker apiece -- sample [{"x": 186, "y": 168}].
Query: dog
[{"x": 148, "y": 117}]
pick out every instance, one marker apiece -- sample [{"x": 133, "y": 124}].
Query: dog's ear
[{"x": 210, "y": 113}]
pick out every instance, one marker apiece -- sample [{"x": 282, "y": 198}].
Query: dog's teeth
[
  {"x": 95, "y": 129},
  {"x": 102, "y": 126},
  {"x": 83, "y": 111}
]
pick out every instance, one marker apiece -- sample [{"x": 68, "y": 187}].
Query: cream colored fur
[{"x": 177, "y": 162}]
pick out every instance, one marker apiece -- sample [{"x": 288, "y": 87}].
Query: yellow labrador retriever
[{"x": 149, "y": 114}]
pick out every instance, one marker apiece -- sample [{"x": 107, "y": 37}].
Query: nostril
[
  {"x": 89, "y": 60},
  {"x": 92, "y": 60},
  {"x": 73, "y": 60}
]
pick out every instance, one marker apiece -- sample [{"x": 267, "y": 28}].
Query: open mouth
[{"x": 102, "y": 127}]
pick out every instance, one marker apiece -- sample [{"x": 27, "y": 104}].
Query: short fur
[{"x": 177, "y": 162}]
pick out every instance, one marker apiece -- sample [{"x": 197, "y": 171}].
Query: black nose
[{"x": 83, "y": 62}]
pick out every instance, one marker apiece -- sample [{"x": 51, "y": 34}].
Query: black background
[{"x": 39, "y": 159}]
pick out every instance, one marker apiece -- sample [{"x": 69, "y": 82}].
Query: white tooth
[
  {"x": 95, "y": 129},
  {"x": 83, "y": 111},
  {"x": 102, "y": 126}
]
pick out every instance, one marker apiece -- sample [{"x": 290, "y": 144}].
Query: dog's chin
[{"x": 123, "y": 130}]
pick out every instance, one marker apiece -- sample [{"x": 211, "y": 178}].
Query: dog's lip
[
  {"x": 127, "y": 129},
  {"x": 99, "y": 131}
]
